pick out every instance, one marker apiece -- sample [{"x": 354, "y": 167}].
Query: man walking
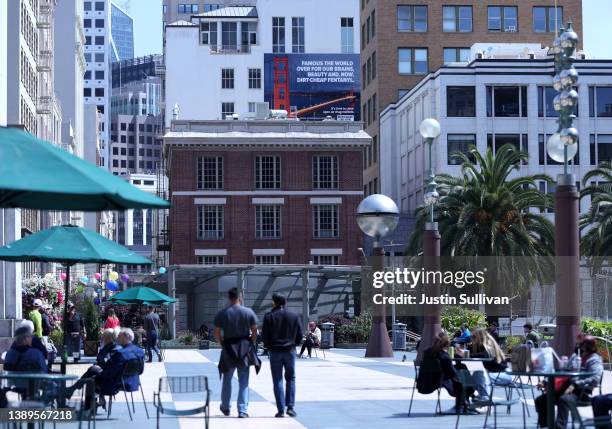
[
  {"x": 151, "y": 326},
  {"x": 236, "y": 331},
  {"x": 282, "y": 332}
]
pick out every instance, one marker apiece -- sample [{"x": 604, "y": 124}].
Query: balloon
[
  {"x": 113, "y": 275},
  {"x": 78, "y": 289},
  {"x": 97, "y": 301},
  {"x": 98, "y": 276},
  {"x": 162, "y": 270},
  {"x": 112, "y": 285},
  {"x": 63, "y": 276},
  {"x": 84, "y": 279},
  {"x": 125, "y": 278},
  {"x": 60, "y": 297}
]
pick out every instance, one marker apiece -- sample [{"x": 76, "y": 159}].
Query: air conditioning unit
[
  {"x": 262, "y": 110},
  {"x": 511, "y": 29}
]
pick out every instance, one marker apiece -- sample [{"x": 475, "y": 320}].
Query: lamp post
[
  {"x": 562, "y": 147},
  {"x": 430, "y": 130},
  {"x": 377, "y": 216}
]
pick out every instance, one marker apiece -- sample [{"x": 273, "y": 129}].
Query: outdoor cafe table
[
  {"x": 550, "y": 382},
  {"x": 32, "y": 378}
]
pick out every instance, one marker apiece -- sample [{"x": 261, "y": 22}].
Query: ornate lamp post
[
  {"x": 377, "y": 216},
  {"x": 430, "y": 130},
  {"x": 562, "y": 147}
]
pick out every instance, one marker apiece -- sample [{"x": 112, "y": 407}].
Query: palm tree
[
  {"x": 596, "y": 223},
  {"x": 486, "y": 213}
]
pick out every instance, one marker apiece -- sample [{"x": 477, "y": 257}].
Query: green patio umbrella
[
  {"x": 35, "y": 174},
  {"x": 69, "y": 245},
  {"x": 142, "y": 295}
]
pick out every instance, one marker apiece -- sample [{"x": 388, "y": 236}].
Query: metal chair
[
  {"x": 133, "y": 367},
  {"x": 471, "y": 381},
  {"x": 182, "y": 384},
  {"x": 438, "y": 409},
  {"x": 583, "y": 401},
  {"x": 85, "y": 405}
]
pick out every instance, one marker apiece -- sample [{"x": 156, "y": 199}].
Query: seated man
[
  {"x": 109, "y": 380},
  {"x": 22, "y": 356}
]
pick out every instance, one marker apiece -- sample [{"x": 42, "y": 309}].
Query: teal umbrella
[
  {"x": 35, "y": 174},
  {"x": 142, "y": 295},
  {"x": 69, "y": 245}
]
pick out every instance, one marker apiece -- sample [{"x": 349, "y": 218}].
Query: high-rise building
[
  {"x": 122, "y": 28},
  {"x": 401, "y": 43},
  {"x": 224, "y": 61},
  {"x": 99, "y": 51},
  {"x": 136, "y": 69},
  {"x": 3, "y": 59}
]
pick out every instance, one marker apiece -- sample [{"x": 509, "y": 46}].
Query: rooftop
[{"x": 230, "y": 12}]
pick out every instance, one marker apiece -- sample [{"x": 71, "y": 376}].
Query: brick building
[
  {"x": 265, "y": 192},
  {"x": 401, "y": 42}
]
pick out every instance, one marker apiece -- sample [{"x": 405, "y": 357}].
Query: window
[
  {"x": 99, "y": 40},
  {"x": 373, "y": 65},
  {"x": 268, "y": 259},
  {"x": 211, "y": 7},
  {"x": 456, "y": 55},
  {"x": 210, "y": 222},
  {"x": 461, "y": 101},
  {"x": 412, "y": 18},
  {"x": 227, "y": 109},
  {"x": 99, "y": 57},
  {"x": 210, "y": 172},
  {"x": 325, "y": 221},
  {"x": 211, "y": 259},
  {"x": 99, "y": 92},
  {"x": 601, "y": 148},
  {"x": 507, "y": 101},
  {"x": 99, "y": 23},
  {"x": 87, "y": 92},
  {"x": 278, "y": 34},
  {"x": 346, "y": 35},
  {"x": 187, "y": 8},
  {"x": 229, "y": 36},
  {"x": 519, "y": 141},
  {"x": 401, "y": 93},
  {"x": 326, "y": 259},
  {"x": 546, "y": 19},
  {"x": 251, "y": 107},
  {"x": 267, "y": 172},
  {"x": 87, "y": 23},
  {"x": 412, "y": 60},
  {"x": 227, "y": 78},
  {"x": 99, "y": 6},
  {"x": 87, "y": 6},
  {"x": 267, "y": 221},
  {"x": 325, "y": 172},
  {"x": 503, "y": 19},
  {"x": 248, "y": 31},
  {"x": 600, "y": 101},
  {"x": 297, "y": 35},
  {"x": 363, "y": 37},
  {"x": 373, "y": 26},
  {"x": 546, "y": 97},
  {"x": 99, "y": 74},
  {"x": 457, "y": 19},
  {"x": 368, "y": 74},
  {"x": 459, "y": 143},
  {"x": 208, "y": 33},
  {"x": 368, "y": 21},
  {"x": 254, "y": 79}
]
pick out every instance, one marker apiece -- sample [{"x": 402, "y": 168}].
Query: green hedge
[{"x": 453, "y": 317}]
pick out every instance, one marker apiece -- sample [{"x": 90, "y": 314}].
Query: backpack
[
  {"x": 430, "y": 375},
  {"x": 521, "y": 358}
]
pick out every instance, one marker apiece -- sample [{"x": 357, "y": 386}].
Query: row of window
[
  {"x": 130, "y": 139},
  {"x": 600, "y": 147},
  {"x": 368, "y": 71},
  {"x": 193, "y": 8},
  {"x": 149, "y": 165},
  {"x": 210, "y": 172},
  {"x": 370, "y": 111},
  {"x": 368, "y": 29},
  {"x": 227, "y": 78},
  {"x": 97, "y": 23},
  {"x": 124, "y": 126},
  {"x": 98, "y": 6},
  {"x": 98, "y": 40},
  {"x": 98, "y": 57},
  {"x": 269, "y": 259},
  {"x": 414, "y": 18},
  {"x": 268, "y": 221},
  {"x": 511, "y": 101},
  {"x": 98, "y": 92},
  {"x": 132, "y": 152}
]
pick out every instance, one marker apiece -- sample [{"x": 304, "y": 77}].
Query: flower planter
[{"x": 90, "y": 348}]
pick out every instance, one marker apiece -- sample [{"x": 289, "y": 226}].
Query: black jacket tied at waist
[{"x": 238, "y": 353}]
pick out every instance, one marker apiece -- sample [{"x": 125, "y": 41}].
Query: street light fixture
[
  {"x": 430, "y": 130},
  {"x": 377, "y": 217},
  {"x": 562, "y": 147}
]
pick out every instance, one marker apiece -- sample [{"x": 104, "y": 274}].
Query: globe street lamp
[
  {"x": 562, "y": 147},
  {"x": 430, "y": 130},
  {"x": 377, "y": 216}
]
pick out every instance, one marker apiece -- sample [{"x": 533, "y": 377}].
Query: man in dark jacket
[
  {"x": 236, "y": 331},
  {"x": 151, "y": 327},
  {"x": 282, "y": 333},
  {"x": 109, "y": 380},
  {"x": 22, "y": 356}
]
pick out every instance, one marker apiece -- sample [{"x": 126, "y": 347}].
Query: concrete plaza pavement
[{"x": 341, "y": 391}]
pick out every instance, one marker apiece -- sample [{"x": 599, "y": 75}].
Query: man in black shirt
[{"x": 281, "y": 333}]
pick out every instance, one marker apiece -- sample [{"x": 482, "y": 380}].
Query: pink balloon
[
  {"x": 63, "y": 276},
  {"x": 98, "y": 276}
]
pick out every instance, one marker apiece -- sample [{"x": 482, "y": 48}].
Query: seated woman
[
  {"x": 450, "y": 379},
  {"x": 575, "y": 388},
  {"x": 484, "y": 346},
  {"x": 311, "y": 339}
]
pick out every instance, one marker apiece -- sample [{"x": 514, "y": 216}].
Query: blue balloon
[
  {"x": 85, "y": 279},
  {"x": 112, "y": 285},
  {"x": 162, "y": 270},
  {"x": 97, "y": 301}
]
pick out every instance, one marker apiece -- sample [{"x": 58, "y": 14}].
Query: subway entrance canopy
[{"x": 313, "y": 291}]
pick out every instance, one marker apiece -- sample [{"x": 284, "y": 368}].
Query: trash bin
[
  {"x": 399, "y": 336},
  {"x": 204, "y": 344},
  {"x": 327, "y": 335}
]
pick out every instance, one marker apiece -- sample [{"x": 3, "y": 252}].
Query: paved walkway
[{"x": 341, "y": 391}]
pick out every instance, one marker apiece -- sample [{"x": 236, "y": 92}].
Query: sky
[{"x": 148, "y": 26}]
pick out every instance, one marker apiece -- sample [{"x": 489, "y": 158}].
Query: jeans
[
  {"x": 278, "y": 362},
  {"x": 73, "y": 343},
  {"x": 601, "y": 407},
  {"x": 243, "y": 389},
  {"x": 308, "y": 344},
  {"x": 151, "y": 345}
]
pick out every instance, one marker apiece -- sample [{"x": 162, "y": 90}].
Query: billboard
[{"x": 313, "y": 86}]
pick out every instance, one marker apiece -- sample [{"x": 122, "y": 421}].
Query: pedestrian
[
  {"x": 112, "y": 321},
  {"x": 531, "y": 335},
  {"x": 151, "y": 327},
  {"x": 311, "y": 339},
  {"x": 236, "y": 332},
  {"x": 36, "y": 318},
  {"x": 282, "y": 333},
  {"x": 76, "y": 332}
]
